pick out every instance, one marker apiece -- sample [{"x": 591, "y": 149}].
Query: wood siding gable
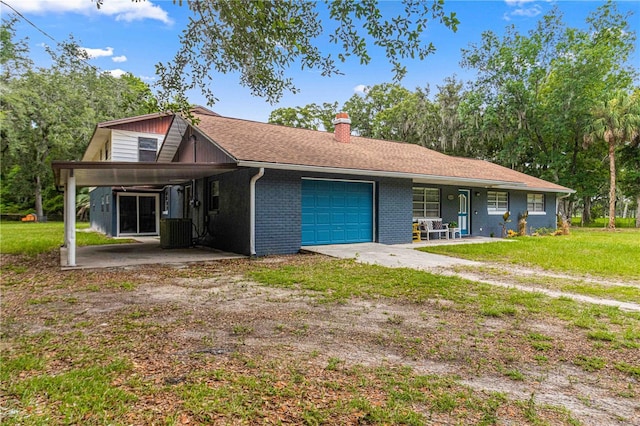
[
  {"x": 158, "y": 125},
  {"x": 206, "y": 152},
  {"x": 124, "y": 144}
]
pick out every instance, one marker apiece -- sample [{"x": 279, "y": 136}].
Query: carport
[{"x": 70, "y": 175}]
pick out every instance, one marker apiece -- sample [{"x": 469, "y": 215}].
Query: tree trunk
[
  {"x": 39, "y": 212},
  {"x": 612, "y": 184},
  {"x": 638, "y": 211},
  {"x": 586, "y": 211}
]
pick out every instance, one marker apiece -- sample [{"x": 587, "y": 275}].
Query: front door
[{"x": 464, "y": 196}]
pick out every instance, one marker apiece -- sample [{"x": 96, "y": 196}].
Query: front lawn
[
  {"x": 36, "y": 238},
  {"x": 602, "y": 253},
  {"x": 307, "y": 340},
  {"x": 315, "y": 341}
]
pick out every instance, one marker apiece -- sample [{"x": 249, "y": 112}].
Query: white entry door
[{"x": 464, "y": 196}]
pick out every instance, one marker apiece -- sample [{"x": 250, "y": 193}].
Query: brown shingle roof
[{"x": 251, "y": 141}]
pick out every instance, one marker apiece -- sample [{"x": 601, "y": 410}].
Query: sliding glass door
[{"x": 137, "y": 214}]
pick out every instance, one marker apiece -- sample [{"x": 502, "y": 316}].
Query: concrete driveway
[{"x": 392, "y": 256}]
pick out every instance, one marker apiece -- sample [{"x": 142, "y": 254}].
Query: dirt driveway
[{"x": 172, "y": 321}]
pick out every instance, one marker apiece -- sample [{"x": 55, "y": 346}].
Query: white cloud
[
  {"x": 517, "y": 3},
  {"x": 122, "y": 10},
  {"x": 119, "y": 58},
  {"x": 528, "y": 12},
  {"x": 523, "y": 8},
  {"x": 146, "y": 78},
  {"x": 117, "y": 73},
  {"x": 97, "y": 53},
  {"x": 360, "y": 89}
]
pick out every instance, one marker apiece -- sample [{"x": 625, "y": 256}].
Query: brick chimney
[{"x": 343, "y": 127}]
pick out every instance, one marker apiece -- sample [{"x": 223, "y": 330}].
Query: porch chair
[{"x": 416, "y": 232}]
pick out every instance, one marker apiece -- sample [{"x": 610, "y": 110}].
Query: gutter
[
  {"x": 436, "y": 179},
  {"x": 252, "y": 211},
  {"x": 561, "y": 198}
]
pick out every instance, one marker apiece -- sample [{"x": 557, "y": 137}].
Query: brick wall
[
  {"x": 394, "y": 217},
  {"x": 229, "y": 227},
  {"x": 485, "y": 224},
  {"x": 279, "y": 206},
  {"x": 278, "y": 213}
]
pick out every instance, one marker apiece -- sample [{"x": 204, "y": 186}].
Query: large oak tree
[
  {"x": 262, "y": 40},
  {"x": 50, "y": 113}
]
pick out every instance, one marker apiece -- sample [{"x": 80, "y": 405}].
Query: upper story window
[
  {"x": 426, "y": 202},
  {"x": 497, "y": 202},
  {"x": 535, "y": 204},
  {"x": 106, "y": 151},
  {"x": 147, "y": 148}
]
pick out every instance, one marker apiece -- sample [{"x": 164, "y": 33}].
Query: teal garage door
[{"x": 336, "y": 212}]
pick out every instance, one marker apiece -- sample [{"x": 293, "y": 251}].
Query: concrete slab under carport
[{"x": 145, "y": 251}]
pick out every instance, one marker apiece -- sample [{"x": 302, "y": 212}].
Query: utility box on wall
[{"x": 175, "y": 233}]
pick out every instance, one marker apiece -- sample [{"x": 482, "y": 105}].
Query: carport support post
[
  {"x": 70, "y": 219},
  {"x": 64, "y": 219}
]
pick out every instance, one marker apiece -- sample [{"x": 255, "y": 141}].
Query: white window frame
[
  {"x": 425, "y": 202},
  {"x": 497, "y": 202},
  {"x": 137, "y": 195},
  {"x": 536, "y": 200}
]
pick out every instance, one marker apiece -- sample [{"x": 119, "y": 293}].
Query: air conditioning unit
[{"x": 175, "y": 233}]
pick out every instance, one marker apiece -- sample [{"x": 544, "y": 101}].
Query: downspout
[
  {"x": 252, "y": 211},
  {"x": 558, "y": 207}
]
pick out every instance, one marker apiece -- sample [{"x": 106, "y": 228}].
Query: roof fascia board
[
  {"x": 536, "y": 189},
  {"x": 176, "y": 124},
  {"x": 92, "y": 149},
  {"x": 378, "y": 173},
  {"x": 135, "y": 165},
  {"x": 132, "y": 119}
]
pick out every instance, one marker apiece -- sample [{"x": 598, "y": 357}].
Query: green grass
[
  {"x": 76, "y": 396},
  {"x": 619, "y": 292},
  {"x": 597, "y": 252},
  {"x": 81, "y": 394},
  {"x": 36, "y": 238},
  {"x": 339, "y": 280},
  {"x": 589, "y": 363},
  {"x": 603, "y": 222}
]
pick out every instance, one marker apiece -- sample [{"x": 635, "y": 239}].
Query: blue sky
[{"x": 134, "y": 36}]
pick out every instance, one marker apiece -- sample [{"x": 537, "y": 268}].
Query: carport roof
[{"x": 104, "y": 173}]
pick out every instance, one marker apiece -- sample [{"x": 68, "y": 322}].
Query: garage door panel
[
  {"x": 322, "y": 236},
  {"x": 323, "y": 218},
  {"x": 335, "y": 212}
]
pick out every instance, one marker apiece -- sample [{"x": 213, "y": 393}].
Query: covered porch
[
  {"x": 144, "y": 251},
  {"x": 71, "y": 175}
]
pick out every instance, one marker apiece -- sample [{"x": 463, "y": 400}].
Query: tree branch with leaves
[{"x": 262, "y": 40}]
